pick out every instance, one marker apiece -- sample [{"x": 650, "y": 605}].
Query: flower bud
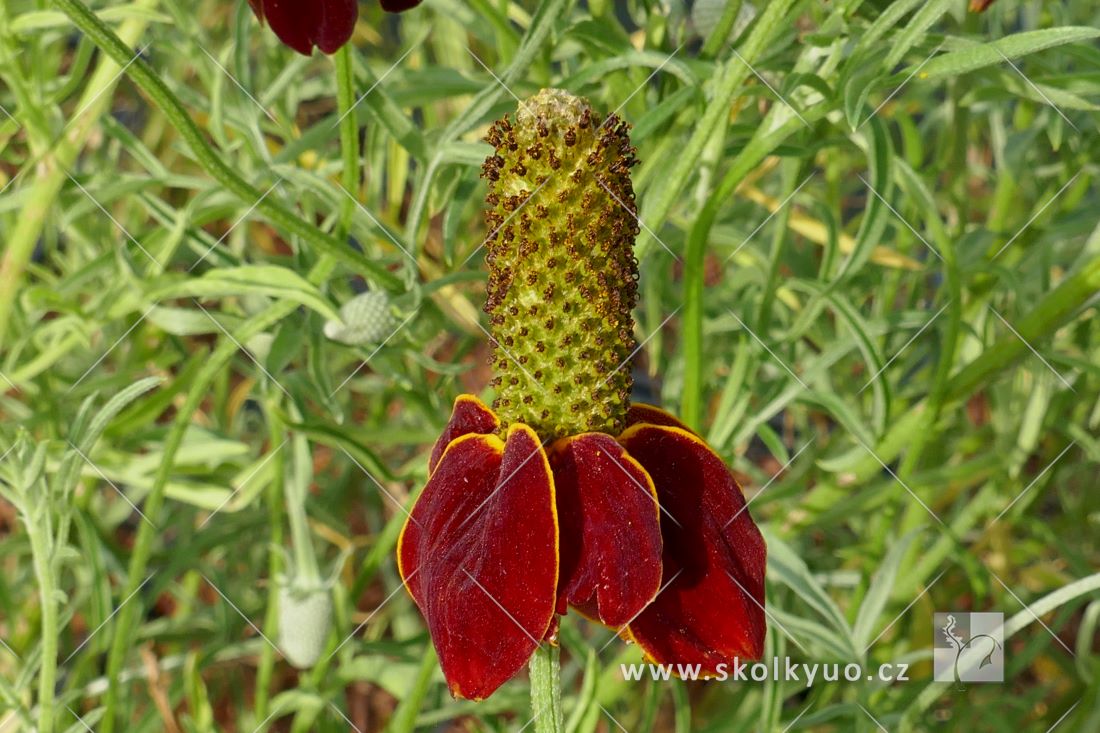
[
  {"x": 305, "y": 617},
  {"x": 365, "y": 319}
]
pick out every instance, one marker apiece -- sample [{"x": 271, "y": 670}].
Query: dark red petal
[
  {"x": 712, "y": 608},
  {"x": 479, "y": 555},
  {"x": 469, "y": 415},
  {"x": 399, "y": 6},
  {"x": 302, "y": 24},
  {"x": 337, "y": 24},
  {"x": 610, "y": 529},
  {"x": 640, "y": 413}
]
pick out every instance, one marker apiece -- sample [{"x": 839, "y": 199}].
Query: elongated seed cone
[{"x": 562, "y": 272}]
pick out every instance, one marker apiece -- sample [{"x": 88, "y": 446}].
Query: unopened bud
[
  {"x": 305, "y": 617},
  {"x": 365, "y": 319}
]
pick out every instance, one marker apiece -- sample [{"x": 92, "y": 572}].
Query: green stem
[
  {"x": 143, "y": 544},
  {"x": 736, "y": 70},
  {"x": 545, "y": 670},
  {"x": 305, "y": 559},
  {"x": 914, "y": 514},
  {"x": 404, "y": 717},
  {"x": 659, "y": 200},
  {"x": 333, "y": 249},
  {"x": 691, "y": 411},
  {"x": 349, "y": 136},
  {"x": 211, "y": 160},
  {"x": 695, "y": 251},
  {"x": 1040, "y": 322},
  {"x": 47, "y": 590},
  {"x": 297, "y": 492},
  {"x": 792, "y": 171},
  {"x": 349, "y": 149},
  {"x": 273, "y": 497}
]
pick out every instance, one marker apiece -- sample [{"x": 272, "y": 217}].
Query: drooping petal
[
  {"x": 641, "y": 413},
  {"x": 711, "y": 609},
  {"x": 469, "y": 415},
  {"x": 303, "y": 24},
  {"x": 610, "y": 532},
  {"x": 399, "y": 6},
  {"x": 479, "y": 555}
]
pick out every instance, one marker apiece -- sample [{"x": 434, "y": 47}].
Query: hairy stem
[
  {"x": 545, "y": 668},
  {"x": 349, "y": 136},
  {"x": 154, "y": 503},
  {"x": 349, "y": 149},
  {"x": 47, "y": 590},
  {"x": 273, "y": 498}
]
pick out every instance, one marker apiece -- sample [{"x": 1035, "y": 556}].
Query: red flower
[
  {"x": 564, "y": 494},
  {"x": 326, "y": 24},
  {"x": 646, "y": 532}
]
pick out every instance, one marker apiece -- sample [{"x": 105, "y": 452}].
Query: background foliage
[{"x": 869, "y": 258}]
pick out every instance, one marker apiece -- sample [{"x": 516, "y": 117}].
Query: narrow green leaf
[
  {"x": 979, "y": 55},
  {"x": 41, "y": 19},
  {"x": 787, "y": 567},
  {"x": 879, "y": 591},
  {"x": 270, "y": 280}
]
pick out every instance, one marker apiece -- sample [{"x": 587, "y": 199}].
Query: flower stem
[
  {"x": 349, "y": 179},
  {"x": 545, "y": 670},
  {"x": 296, "y": 493},
  {"x": 154, "y": 502},
  {"x": 47, "y": 589},
  {"x": 404, "y": 717},
  {"x": 273, "y": 499},
  {"x": 349, "y": 136},
  {"x": 771, "y": 23},
  {"x": 333, "y": 249}
]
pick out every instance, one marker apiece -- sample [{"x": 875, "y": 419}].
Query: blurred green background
[{"x": 870, "y": 257}]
